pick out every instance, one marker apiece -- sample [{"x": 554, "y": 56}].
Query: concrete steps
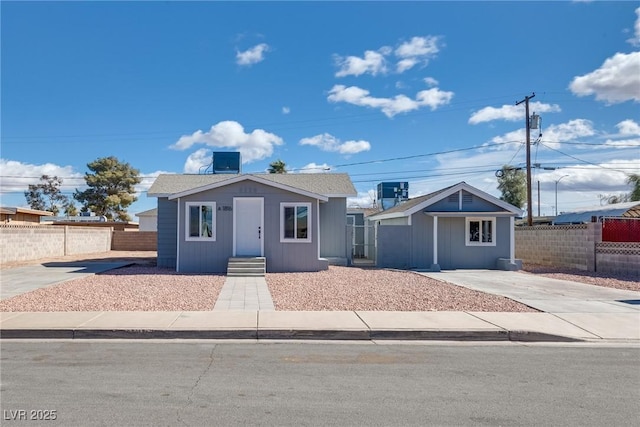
[{"x": 247, "y": 267}]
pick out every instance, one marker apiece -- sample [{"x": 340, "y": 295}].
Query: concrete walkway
[
  {"x": 244, "y": 293},
  {"x": 571, "y": 312}
]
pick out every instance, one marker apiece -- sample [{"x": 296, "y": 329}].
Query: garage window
[{"x": 480, "y": 231}]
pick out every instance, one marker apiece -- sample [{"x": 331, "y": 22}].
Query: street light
[{"x": 557, "y": 181}]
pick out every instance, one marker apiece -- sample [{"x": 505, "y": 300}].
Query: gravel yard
[
  {"x": 145, "y": 287},
  {"x": 365, "y": 289}
]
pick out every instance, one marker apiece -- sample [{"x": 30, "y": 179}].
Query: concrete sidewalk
[
  {"x": 343, "y": 325},
  {"x": 574, "y": 312}
]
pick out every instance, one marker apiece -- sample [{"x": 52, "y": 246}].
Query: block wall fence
[
  {"x": 577, "y": 246},
  {"x": 31, "y": 242}
]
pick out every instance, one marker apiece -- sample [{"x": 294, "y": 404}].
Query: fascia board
[{"x": 241, "y": 178}]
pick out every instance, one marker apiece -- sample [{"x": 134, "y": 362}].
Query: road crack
[{"x": 192, "y": 390}]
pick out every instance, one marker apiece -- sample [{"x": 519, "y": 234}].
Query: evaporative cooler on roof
[{"x": 226, "y": 162}]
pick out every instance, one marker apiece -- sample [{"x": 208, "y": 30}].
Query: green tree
[
  {"x": 111, "y": 188},
  {"x": 512, "y": 183},
  {"x": 47, "y": 196},
  {"x": 634, "y": 179},
  {"x": 277, "y": 166}
]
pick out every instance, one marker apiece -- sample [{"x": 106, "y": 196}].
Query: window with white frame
[
  {"x": 295, "y": 222},
  {"x": 480, "y": 231},
  {"x": 200, "y": 221}
]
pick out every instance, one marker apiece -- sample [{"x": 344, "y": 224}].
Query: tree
[
  {"x": 111, "y": 188},
  {"x": 634, "y": 179},
  {"x": 512, "y": 183},
  {"x": 47, "y": 196},
  {"x": 277, "y": 166}
]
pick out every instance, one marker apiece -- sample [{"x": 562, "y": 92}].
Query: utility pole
[{"x": 528, "y": 124}]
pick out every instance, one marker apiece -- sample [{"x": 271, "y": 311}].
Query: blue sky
[{"x": 423, "y": 92}]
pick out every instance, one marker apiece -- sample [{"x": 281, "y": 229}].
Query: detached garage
[{"x": 458, "y": 227}]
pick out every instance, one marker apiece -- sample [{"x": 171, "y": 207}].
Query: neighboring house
[
  {"x": 459, "y": 227},
  {"x": 296, "y": 221},
  {"x": 148, "y": 220},
  {"x": 22, "y": 216},
  {"x": 596, "y": 213}
]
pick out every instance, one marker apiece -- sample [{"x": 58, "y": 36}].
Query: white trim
[
  {"x": 467, "y": 232},
  {"x": 435, "y": 240},
  {"x": 307, "y": 205},
  {"x": 318, "y": 221},
  {"x": 234, "y": 228},
  {"x": 178, "y": 241},
  {"x": 187, "y": 224},
  {"x": 472, "y": 213},
  {"x": 512, "y": 240},
  {"x": 510, "y": 209},
  {"x": 241, "y": 178}
]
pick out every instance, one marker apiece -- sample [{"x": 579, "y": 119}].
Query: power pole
[{"x": 528, "y": 124}]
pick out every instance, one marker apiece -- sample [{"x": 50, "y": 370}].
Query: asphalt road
[{"x": 210, "y": 383}]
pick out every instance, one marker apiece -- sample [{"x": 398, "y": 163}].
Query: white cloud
[
  {"x": 432, "y": 98},
  {"x": 328, "y": 142},
  {"x": 569, "y": 131},
  {"x": 617, "y": 80},
  {"x": 510, "y": 112},
  {"x": 314, "y": 168},
  {"x": 635, "y": 40},
  {"x": 253, "y": 146},
  {"x": 286, "y": 110},
  {"x": 623, "y": 143},
  {"x": 17, "y": 176},
  {"x": 372, "y": 63},
  {"x": 198, "y": 160},
  {"x": 628, "y": 127},
  {"x": 363, "y": 200},
  {"x": 253, "y": 55},
  {"x": 430, "y": 81},
  {"x": 419, "y": 50}
]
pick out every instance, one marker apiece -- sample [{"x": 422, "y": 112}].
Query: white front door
[{"x": 248, "y": 226}]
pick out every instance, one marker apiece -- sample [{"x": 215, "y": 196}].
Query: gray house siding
[
  {"x": 403, "y": 246},
  {"x": 167, "y": 239},
  {"x": 470, "y": 203},
  {"x": 213, "y": 256},
  {"x": 333, "y": 222}
]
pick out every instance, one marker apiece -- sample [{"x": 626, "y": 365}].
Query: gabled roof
[
  {"x": 320, "y": 186},
  {"x": 417, "y": 204},
  {"x": 629, "y": 210}
]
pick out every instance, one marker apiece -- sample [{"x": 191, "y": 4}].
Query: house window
[
  {"x": 201, "y": 221},
  {"x": 295, "y": 222},
  {"x": 480, "y": 232}
]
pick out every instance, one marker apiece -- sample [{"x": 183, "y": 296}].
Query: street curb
[{"x": 287, "y": 334}]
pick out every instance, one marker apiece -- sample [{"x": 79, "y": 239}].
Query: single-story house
[
  {"x": 596, "y": 213},
  {"x": 458, "y": 227},
  {"x": 296, "y": 221},
  {"x": 148, "y": 220},
  {"x": 22, "y": 216}
]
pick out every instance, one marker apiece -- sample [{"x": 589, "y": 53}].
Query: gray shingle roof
[
  {"x": 405, "y": 206},
  {"x": 326, "y": 184}
]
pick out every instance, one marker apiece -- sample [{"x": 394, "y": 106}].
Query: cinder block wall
[
  {"x": 25, "y": 243},
  {"x": 134, "y": 241},
  {"x": 571, "y": 246},
  {"x": 619, "y": 258}
]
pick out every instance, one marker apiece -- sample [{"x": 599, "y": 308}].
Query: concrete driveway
[
  {"x": 543, "y": 293},
  {"x": 19, "y": 280}
]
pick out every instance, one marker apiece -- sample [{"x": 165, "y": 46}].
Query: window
[
  {"x": 480, "y": 232},
  {"x": 200, "y": 221},
  {"x": 295, "y": 222}
]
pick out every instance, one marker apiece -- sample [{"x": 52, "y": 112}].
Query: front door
[{"x": 248, "y": 226}]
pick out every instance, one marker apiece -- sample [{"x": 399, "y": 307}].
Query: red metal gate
[{"x": 620, "y": 229}]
